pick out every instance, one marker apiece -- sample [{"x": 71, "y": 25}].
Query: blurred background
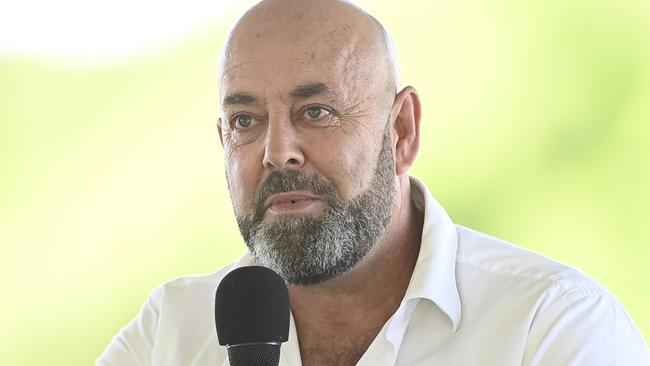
[{"x": 536, "y": 129}]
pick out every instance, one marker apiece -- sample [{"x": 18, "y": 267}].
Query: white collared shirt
[{"x": 472, "y": 300}]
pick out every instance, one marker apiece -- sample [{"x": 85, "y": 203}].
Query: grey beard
[{"x": 308, "y": 250}]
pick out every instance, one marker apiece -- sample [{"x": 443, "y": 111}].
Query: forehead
[
  {"x": 285, "y": 64},
  {"x": 335, "y": 53}
]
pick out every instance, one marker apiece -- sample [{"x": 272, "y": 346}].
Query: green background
[{"x": 536, "y": 123}]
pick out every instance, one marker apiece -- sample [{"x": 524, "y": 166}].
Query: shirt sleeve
[
  {"x": 132, "y": 346},
  {"x": 585, "y": 329}
]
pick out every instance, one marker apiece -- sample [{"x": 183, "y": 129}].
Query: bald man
[{"x": 319, "y": 138}]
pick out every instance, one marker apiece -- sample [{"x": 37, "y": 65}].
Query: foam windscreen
[{"x": 252, "y": 306}]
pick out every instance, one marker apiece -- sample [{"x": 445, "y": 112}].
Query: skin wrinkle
[
  {"x": 357, "y": 99},
  {"x": 350, "y": 116}
]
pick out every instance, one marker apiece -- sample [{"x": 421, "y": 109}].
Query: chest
[
  {"x": 343, "y": 347},
  {"x": 335, "y": 352}
]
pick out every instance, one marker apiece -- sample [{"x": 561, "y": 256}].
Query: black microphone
[{"x": 251, "y": 312}]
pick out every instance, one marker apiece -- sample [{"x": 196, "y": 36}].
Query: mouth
[{"x": 292, "y": 203}]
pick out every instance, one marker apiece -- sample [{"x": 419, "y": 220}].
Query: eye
[
  {"x": 316, "y": 112},
  {"x": 242, "y": 121}
]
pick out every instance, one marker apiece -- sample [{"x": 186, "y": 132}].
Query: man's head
[{"x": 315, "y": 134}]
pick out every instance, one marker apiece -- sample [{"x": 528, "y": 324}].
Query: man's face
[{"x": 309, "y": 155}]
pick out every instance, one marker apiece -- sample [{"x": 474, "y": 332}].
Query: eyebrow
[
  {"x": 239, "y": 98},
  {"x": 306, "y": 91},
  {"x": 300, "y": 92}
]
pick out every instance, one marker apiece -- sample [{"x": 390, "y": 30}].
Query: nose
[{"x": 283, "y": 145}]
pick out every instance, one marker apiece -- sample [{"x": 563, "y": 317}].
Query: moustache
[{"x": 292, "y": 180}]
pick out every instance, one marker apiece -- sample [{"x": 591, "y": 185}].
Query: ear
[
  {"x": 406, "y": 125},
  {"x": 220, "y": 131}
]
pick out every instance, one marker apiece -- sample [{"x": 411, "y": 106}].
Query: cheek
[
  {"x": 349, "y": 166},
  {"x": 242, "y": 181}
]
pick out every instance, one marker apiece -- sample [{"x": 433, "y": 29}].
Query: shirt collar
[{"x": 434, "y": 275}]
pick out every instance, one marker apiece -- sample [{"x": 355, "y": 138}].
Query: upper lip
[{"x": 287, "y": 196}]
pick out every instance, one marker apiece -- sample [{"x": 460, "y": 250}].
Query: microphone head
[{"x": 252, "y": 306}]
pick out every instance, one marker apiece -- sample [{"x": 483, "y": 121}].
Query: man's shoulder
[
  {"x": 192, "y": 285},
  {"x": 505, "y": 261},
  {"x": 193, "y": 280},
  {"x": 562, "y": 314}
]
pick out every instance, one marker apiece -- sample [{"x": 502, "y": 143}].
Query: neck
[{"x": 365, "y": 297}]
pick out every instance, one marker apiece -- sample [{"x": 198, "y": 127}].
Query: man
[{"x": 319, "y": 139}]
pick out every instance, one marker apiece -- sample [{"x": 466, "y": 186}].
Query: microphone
[{"x": 251, "y": 314}]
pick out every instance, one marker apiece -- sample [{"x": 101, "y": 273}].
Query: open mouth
[{"x": 292, "y": 203}]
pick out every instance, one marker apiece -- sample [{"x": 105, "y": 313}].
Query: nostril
[{"x": 292, "y": 161}]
